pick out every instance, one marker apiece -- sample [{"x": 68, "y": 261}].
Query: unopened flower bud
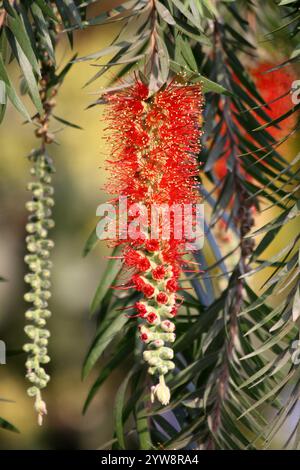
[
  {"x": 167, "y": 326},
  {"x": 161, "y": 392}
]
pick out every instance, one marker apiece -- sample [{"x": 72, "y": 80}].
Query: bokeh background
[{"x": 79, "y": 159}]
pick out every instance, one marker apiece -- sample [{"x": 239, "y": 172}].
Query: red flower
[
  {"x": 174, "y": 311},
  {"x": 148, "y": 290},
  {"x": 138, "y": 242},
  {"x": 151, "y": 317},
  {"x": 152, "y": 245},
  {"x": 141, "y": 308},
  {"x": 138, "y": 282},
  {"x": 144, "y": 337},
  {"x": 144, "y": 264},
  {"x": 159, "y": 272},
  {"x": 162, "y": 298},
  {"x": 172, "y": 285},
  {"x": 132, "y": 258}
]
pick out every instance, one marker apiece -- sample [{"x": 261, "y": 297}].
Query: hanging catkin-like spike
[
  {"x": 38, "y": 246},
  {"x": 154, "y": 144},
  {"x": 38, "y": 242}
]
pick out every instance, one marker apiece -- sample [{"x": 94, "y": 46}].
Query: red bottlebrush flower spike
[
  {"x": 274, "y": 87},
  {"x": 154, "y": 143}
]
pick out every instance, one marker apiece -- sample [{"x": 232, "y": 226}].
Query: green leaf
[
  {"x": 185, "y": 436},
  {"x": 117, "y": 47},
  {"x": 211, "y": 7},
  {"x": 202, "y": 324},
  {"x": 119, "y": 407},
  {"x": 186, "y": 52},
  {"x": 159, "y": 66},
  {"x": 273, "y": 341},
  {"x": 17, "y": 28},
  {"x": 286, "y": 2},
  {"x": 188, "y": 374},
  {"x": 242, "y": 75},
  {"x": 104, "y": 18},
  {"x": 183, "y": 8},
  {"x": 70, "y": 4},
  {"x": 121, "y": 354},
  {"x": 67, "y": 123},
  {"x": 43, "y": 29},
  {"x": 61, "y": 75},
  {"x": 11, "y": 93},
  {"x": 90, "y": 243},
  {"x": 46, "y": 9},
  {"x": 2, "y": 92},
  {"x": 3, "y": 100},
  {"x": 101, "y": 342},
  {"x": 268, "y": 395},
  {"x": 296, "y": 305},
  {"x": 164, "y": 13},
  {"x": 4, "y": 424},
  {"x": 208, "y": 85},
  {"x": 192, "y": 32},
  {"x": 107, "y": 280},
  {"x": 30, "y": 79},
  {"x": 142, "y": 427},
  {"x": 279, "y": 119}
]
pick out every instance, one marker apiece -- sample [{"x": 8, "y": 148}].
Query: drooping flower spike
[{"x": 154, "y": 143}]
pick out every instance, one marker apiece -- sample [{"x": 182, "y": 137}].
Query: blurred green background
[{"x": 78, "y": 184}]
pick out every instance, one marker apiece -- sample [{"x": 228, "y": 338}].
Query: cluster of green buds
[
  {"x": 38, "y": 277},
  {"x": 158, "y": 355},
  {"x": 157, "y": 281}
]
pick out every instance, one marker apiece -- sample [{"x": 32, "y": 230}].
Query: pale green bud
[
  {"x": 170, "y": 365},
  {"x": 32, "y": 391},
  {"x": 29, "y": 297},
  {"x": 166, "y": 353},
  {"x": 44, "y": 359},
  {"x": 162, "y": 369},
  {"x": 167, "y": 326},
  {"x": 31, "y": 228}
]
